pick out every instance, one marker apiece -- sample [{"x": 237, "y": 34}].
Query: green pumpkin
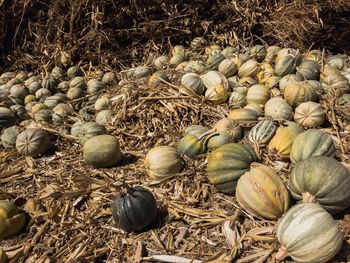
[
  {"x": 286, "y": 61},
  {"x": 323, "y": 180},
  {"x": 49, "y": 83},
  {"x": 78, "y": 82},
  {"x": 258, "y": 52},
  {"x": 12, "y": 220},
  {"x": 9, "y": 136},
  {"x": 74, "y": 71},
  {"x": 228, "y": 67},
  {"x": 193, "y": 82},
  {"x": 278, "y": 109},
  {"x": 309, "y": 69},
  {"x": 261, "y": 134},
  {"x": 57, "y": 72},
  {"x": 142, "y": 71},
  {"x": 75, "y": 129},
  {"x": 243, "y": 115},
  {"x": 44, "y": 115},
  {"x": 249, "y": 68},
  {"x": 7, "y": 117},
  {"x": 217, "y": 139},
  {"x": 196, "y": 130},
  {"x": 89, "y": 130},
  {"x": 33, "y": 142},
  {"x": 109, "y": 78},
  {"x": 75, "y": 93},
  {"x": 214, "y": 60},
  {"x": 308, "y": 234},
  {"x": 237, "y": 100},
  {"x": 34, "y": 87},
  {"x": 190, "y": 146},
  {"x": 102, "y": 151},
  {"x": 103, "y": 117},
  {"x": 227, "y": 164},
  {"x": 312, "y": 143}
]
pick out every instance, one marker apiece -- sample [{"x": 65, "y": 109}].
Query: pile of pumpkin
[{"x": 266, "y": 87}]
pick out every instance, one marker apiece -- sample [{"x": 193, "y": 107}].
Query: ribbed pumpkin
[
  {"x": 229, "y": 126},
  {"x": 33, "y": 142},
  {"x": 214, "y": 78},
  {"x": 214, "y": 60},
  {"x": 285, "y": 80},
  {"x": 308, "y": 69},
  {"x": 229, "y": 51},
  {"x": 75, "y": 93},
  {"x": 272, "y": 52},
  {"x": 190, "y": 146},
  {"x": 160, "y": 62},
  {"x": 298, "y": 92},
  {"x": 162, "y": 162},
  {"x": 258, "y": 52},
  {"x": 49, "y": 83},
  {"x": 44, "y": 115},
  {"x": 196, "y": 130},
  {"x": 227, "y": 164},
  {"x": 258, "y": 94},
  {"x": 217, "y": 139},
  {"x": 74, "y": 71},
  {"x": 196, "y": 66},
  {"x": 142, "y": 71},
  {"x": 198, "y": 43},
  {"x": 338, "y": 61},
  {"x": 18, "y": 91},
  {"x": 323, "y": 180},
  {"x": 309, "y": 114},
  {"x": 217, "y": 94},
  {"x": 255, "y": 107},
  {"x": 286, "y": 61},
  {"x": 278, "y": 109},
  {"x": 134, "y": 210},
  {"x": 248, "y": 69},
  {"x": 89, "y": 130},
  {"x": 12, "y": 219},
  {"x": 228, "y": 67},
  {"x": 237, "y": 100},
  {"x": 177, "y": 59},
  {"x": 78, "y": 82},
  {"x": 193, "y": 81},
  {"x": 262, "y": 193},
  {"x": 102, "y": 151},
  {"x": 312, "y": 143},
  {"x": 308, "y": 234},
  {"x": 103, "y": 117},
  {"x": 7, "y": 117},
  {"x": 261, "y": 134},
  {"x": 243, "y": 115},
  {"x": 75, "y": 129},
  {"x": 94, "y": 86},
  {"x": 102, "y": 103},
  {"x": 9, "y": 136},
  {"x": 315, "y": 55},
  {"x": 281, "y": 144}
]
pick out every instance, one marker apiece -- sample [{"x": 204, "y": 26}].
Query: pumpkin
[
  {"x": 104, "y": 116},
  {"x": 34, "y": 87},
  {"x": 102, "y": 151},
  {"x": 18, "y": 110},
  {"x": 298, "y": 92},
  {"x": 240, "y": 89},
  {"x": 7, "y": 76},
  {"x": 53, "y": 101},
  {"x": 29, "y": 99},
  {"x": 262, "y": 193},
  {"x": 271, "y": 53},
  {"x": 214, "y": 78},
  {"x": 31, "y": 80},
  {"x": 247, "y": 81},
  {"x": 278, "y": 109},
  {"x": 332, "y": 79},
  {"x": 44, "y": 115},
  {"x": 42, "y": 93},
  {"x": 33, "y": 142},
  {"x": 243, "y": 115},
  {"x": 57, "y": 72},
  {"x": 157, "y": 78},
  {"x": 178, "y": 49},
  {"x": 214, "y": 60},
  {"x": 102, "y": 103},
  {"x": 12, "y": 220},
  {"x": 227, "y": 164},
  {"x": 75, "y": 129},
  {"x": 63, "y": 109},
  {"x": 323, "y": 180},
  {"x": 258, "y": 52},
  {"x": 286, "y": 61},
  {"x": 281, "y": 144},
  {"x": 229, "y": 52},
  {"x": 212, "y": 49},
  {"x": 135, "y": 210},
  {"x": 74, "y": 71},
  {"x": 229, "y": 126},
  {"x": 308, "y": 69},
  {"x": 89, "y": 130},
  {"x": 258, "y": 94},
  {"x": 216, "y": 94},
  {"x": 75, "y": 93},
  {"x": 18, "y": 91},
  {"x": 193, "y": 82},
  {"x": 237, "y": 100},
  {"x": 309, "y": 114},
  {"x": 228, "y": 67},
  {"x": 196, "y": 66},
  {"x": 78, "y": 82},
  {"x": 109, "y": 78},
  {"x": 308, "y": 234},
  {"x": 190, "y": 145},
  {"x": 196, "y": 130},
  {"x": 254, "y": 107},
  {"x": 217, "y": 139},
  {"x": 7, "y": 117},
  {"x": 315, "y": 55},
  {"x": 142, "y": 71},
  {"x": 177, "y": 59},
  {"x": 63, "y": 86},
  {"x": 9, "y": 136},
  {"x": 160, "y": 62},
  {"x": 49, "y": 83},
  {"x": 312, "y": 143},
  {"x": 338, "y": 62},
  {"x": 289, "y": 78},
  {"x": 94, "y": 86},
  {"x": 162, "y": 162},
  {"x": 198, "y": 43},
  {"x": 261, "y": 134},
  {"x": 248, "y": 69}
]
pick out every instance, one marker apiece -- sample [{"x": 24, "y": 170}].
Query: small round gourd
[
  {"x": 258, "y": 94},
  {"x": 102, "y": 103},
  {"x": 89, "y": 130},
  {"x": 134, "y": 210},
  {"x": 74, "y": 71},
  {"x": 198, "y": 43},
  {"x": 281, "y": 144},
  {"x": 94, "y": 86},
  {"x": 142, "y": 71},
  {"x": 57, "y": 72},
  {"x": 9, "y": 136},
  {"x": 177, "y": 59},
  {"x": 312, "y": 143},
  {"x": 315, "y": 55},
  {"x": 49, "y": 83},
  {"x": 286, "y": 61},
  {"x": 178, "y": 49},
  {"x": 308, "y": 234},
  {"x": 255, "y": 107},
  {"x": 33, "y": 142},
  {"x": 34, "y": 87},
  {"x": 102, "y": 151},
  {"x": 227, "y": 164},
  {"x": 237, "y": 100},
  {"x": 42, "y": 94},
  {"x": 217, "y": 139},
  {"x": 262, "y": 193},
  {"x": 193, "y": 81},
  {"x": 75, "y": 129},
  {"x": 18, "y": 91},
  {"x": 12, "y": 220},
  {"x": 228, "y": 67},
  {"x": 278, "y": 109},
  {"x": 162, "y": 162},
  {"x": 308, "y": 69},
  {"x": 229, "y": 126},
  {"x": 299, "y": 92},
  {"x": 44, "y": 115},
  {"x": 190, "y": 146},
  {"x": 248, "y": 69},
  {"x": 195, "y": 66},
  {"x": 323, "y": 180},
  {"x": 261, "y": 134},
  {"x": 7, "y": 117},
  {"x": 271, "y": 53},
  {"x": 309, "y": 114},
  {"x": 75, "y": 93},
  {"x": 229, "y": 51},
  {"x": 63, "y": 109},
  {"x": 217, "y": 94},
  {"x": 104, "y": 116}
]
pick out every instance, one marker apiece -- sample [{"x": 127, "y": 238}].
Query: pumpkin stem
[
  {"x": 308, "y": 198},
  {"x": 281, "y": 254}
]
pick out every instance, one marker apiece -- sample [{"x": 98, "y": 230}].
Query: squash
[
  {"x": 190, "y": 146},
  {"x": 285, "y": 80},
  {"x": 308, "y": 69},
  {"x": 278, "y": 109},
  {"x": 227, "y": 164},
  {"x": 42, "y": 94},
  {"x": 214, "y": 78},
  {"x": 298, "y": 92},
  {"x": 229, "y": 126},
  {"x": 74, "y": 71},
  {"x": 162, "y": 162},
  {"x": 286, "y": 64},
  {"x": 243, "y": 115},
  {"x": 198, "y": 43},
  {"x": 195, "y": 66},
  {"x": 216, "y": 94},
  {"x": 262, "y": 193},
  {"x": 57, "y": 73},
  {"x": 19, "y": 92},
  {"x": 94, "y": 86},
  {"x": 34, "y": 87},
  {"x": 271, "y": 54},
  {"x": 75, "y": 129},
  {"x": 102, "y": 103},
  {"x": 63, "y": 109},
  {"x": 78, "y": 82},
  {"x": 272, "y": 82},
  {"x": 177, "y": 59},
  {"x": 109, "y": 78},
  {"x": 49, "y": 83},
  {"x": 102, "y": 151},
  {"x": 228, "y": 67},
  {"x": 308, "y": 234},
  {"x": 178, "y": 49},
  {"x": 237, "y": 100},
  {"x": 134, "y": 210},
  {"x": 212, "y": 49},
  {"x": 214, "y": 60},
  {"x": 12, "y": 220},
  {"x": 312, "y": 143},
  {"x": 248, "y": 69},
  {"x": 160, "y": 62},
  {"x": 217, "y": 139},
  {"x": 229, "y": 51},
  {"x": 103, "y": 117},
  {"x": 309, "y": 114},
  {"x": 323, "y": 180},
  {"x": 258, "y": 94},
  {"x": 258, "y": 52},
  {"x": 196, "y": 130},
  {"x": 89, "y": 130},
  {"x": 9, "y": 136},
  {"x": 338, "y": 62},
  {"x": 75, "y": 93},
  {"x": 33, "y": 142},
  {"x": 7, "y": 117},
  {"x": 157, "y": 78},
  {"x": 142, "y": 71},
  {"x": 261, "y": 134},
  {"x": 281, "y": 144},
  {"x": 255, "y": 107},
  {"x": 315, "y": 55},
  {"x": 44, "y": 115},
  {"x": 193, "y": 82}
]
